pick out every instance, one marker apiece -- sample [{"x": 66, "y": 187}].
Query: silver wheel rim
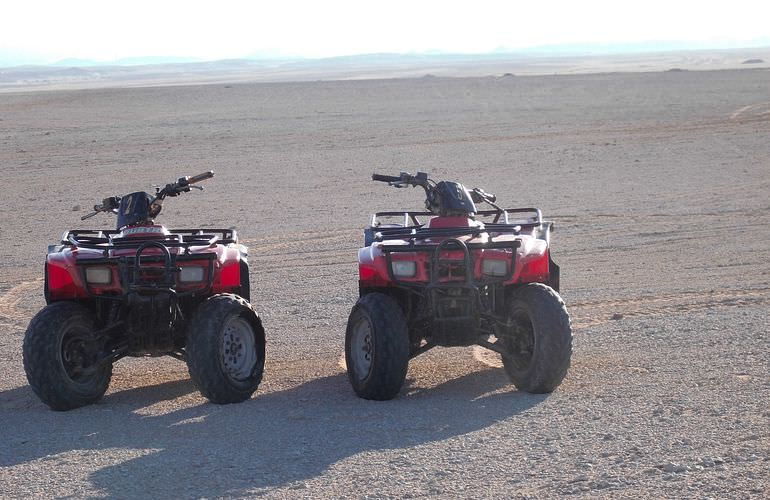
[
  {"x": 361, "y": 349},
  {"x": 239, "y": 354}
]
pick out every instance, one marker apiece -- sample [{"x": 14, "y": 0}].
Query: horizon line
[{"x": 548, "y": 50}]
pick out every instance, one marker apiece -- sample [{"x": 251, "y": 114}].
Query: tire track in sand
[
  {"x": 758, "y": 111},
  {"x": 9, "y": 301},
  {"x": 593, "y": 313},
  {"x": 588, "y": 314}
]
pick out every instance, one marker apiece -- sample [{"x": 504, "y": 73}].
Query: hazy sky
[{"x": 49, "y": 30}]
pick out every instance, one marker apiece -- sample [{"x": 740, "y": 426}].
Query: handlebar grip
[
  {"x": 385, "y": 178},
  {"x": 200, "y": 177}
]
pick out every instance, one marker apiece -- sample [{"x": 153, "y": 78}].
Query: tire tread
[
  {"x": 203, "y": 357},
  {"x": 390, "y": 365},
  {"x": 554, "y": 349},
  {"x": 41, "y": 359}
]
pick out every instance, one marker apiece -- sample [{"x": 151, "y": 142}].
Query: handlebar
[
  {"x": 480, "y": 195},
  {"x": 107, "y": 205},
  {"x": 385, "y": 178},
  {"x": 200, "y": 177},
  {"x": 404, "y": 179},
  {"x": 434, "y": 201},
  {"x": 183, "y": 184}
]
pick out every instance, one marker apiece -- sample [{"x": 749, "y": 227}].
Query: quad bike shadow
[{"x": 274, "y": 440}]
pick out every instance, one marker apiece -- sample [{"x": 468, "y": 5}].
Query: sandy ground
[{"x": 658, "y": 183}]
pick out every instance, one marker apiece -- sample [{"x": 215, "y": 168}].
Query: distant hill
[
  {"x": 14, "y": 58},
  {"x": 126, "y": 61},
  {"x": 75, "y": 62},
  {"x": 150, "y": 71}
]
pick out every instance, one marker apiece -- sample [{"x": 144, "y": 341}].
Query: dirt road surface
[{"x": 659, "y": 185}]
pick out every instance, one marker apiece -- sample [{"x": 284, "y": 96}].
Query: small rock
[
  {"x": 753, "y": 61},
  {"x": 675, "y": 468},
  {"x": 617, "y": 316},
  {"x": 76, "y": 208}
]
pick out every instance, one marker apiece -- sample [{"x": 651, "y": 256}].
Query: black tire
[
  {"x": 387, "y": 347},
  {"x": 57, "y": 343},
  {"x": 218, "y": 381},
  {"x": 245, "y": 281},
  {"x": 540, "y": 342}
]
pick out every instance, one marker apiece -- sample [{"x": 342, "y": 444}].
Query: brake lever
[{"x": 193, "y": 186}]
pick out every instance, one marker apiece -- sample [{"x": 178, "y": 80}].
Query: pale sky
[{"x": 50, "y": 30}]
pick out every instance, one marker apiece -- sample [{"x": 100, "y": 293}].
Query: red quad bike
[
  {"x": 144, "y": 290},
  {"x": 464, "y": 277}
]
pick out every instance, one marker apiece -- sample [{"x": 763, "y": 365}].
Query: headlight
[
  {"x": 191, "y": 274},
  {"x": 404, "y": 268},
  {"x": 99, "y": 275},
  {"x": 495, "y": 267}
]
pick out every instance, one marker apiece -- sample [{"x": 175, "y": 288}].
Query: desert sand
[{"x": 658, "y": 184}]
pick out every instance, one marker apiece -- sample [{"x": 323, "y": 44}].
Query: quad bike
[
  {"x": 464, "y": 277},
  {"x": 144, "y": 290}
]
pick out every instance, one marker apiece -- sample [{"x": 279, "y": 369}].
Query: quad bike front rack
[
  {"x": 107, "y": 240},
  {"x": 411, "y": 227},
  {"x": 140, "y": 284},
  {"x": 453, "y": 292}
]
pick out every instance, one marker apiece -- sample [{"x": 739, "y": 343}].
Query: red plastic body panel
[
  {"x": 446, "y": 222},
  {"x": 532, "y": 257},
  {"x": 66, "y": 268}
]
